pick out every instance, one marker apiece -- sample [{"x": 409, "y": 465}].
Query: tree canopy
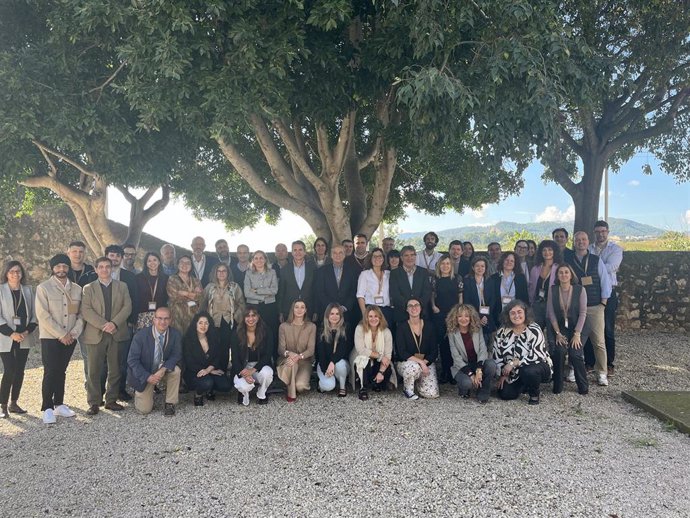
[{"x": 344, "y": 112}]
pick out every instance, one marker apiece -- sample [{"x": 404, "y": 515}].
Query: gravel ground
[{"x": 571, "y": 456}]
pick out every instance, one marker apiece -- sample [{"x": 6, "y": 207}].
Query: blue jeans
[{"x": 327, "y": 384}]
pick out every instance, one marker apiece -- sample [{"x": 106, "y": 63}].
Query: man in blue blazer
[{"x": 153, "y": 356}]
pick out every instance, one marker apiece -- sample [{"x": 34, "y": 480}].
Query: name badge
[
  {"x": 16, "y": 321},
  {"x": 191, "y": 303},
  {"x": 566, "y": 322},
  {"x": 152, "y": 306},
  {"x": 73, "y": 308},
  {"x": 419, "y": 356},
  {"x": 506, "y": 300},
  {"x": 587, "y": 280},
  {"x": 483, "y": 310},
  {"x": 378, "y": 301},
  {"x": 542, "y": 294}
]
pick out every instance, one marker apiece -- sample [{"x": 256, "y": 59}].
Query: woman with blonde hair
[
  {"x": 473, "y": 367},
  {"x": 446, "y": 292},
  {"x": 296, "y": 344},
  {"x": 373, "y": 351},
  {"x": 184, "y": 295},
  {"x": 332, "y": 351},
  {"x": 261, "y": 288}
]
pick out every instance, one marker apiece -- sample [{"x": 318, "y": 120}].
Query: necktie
[{"x": 158, "y": 353}]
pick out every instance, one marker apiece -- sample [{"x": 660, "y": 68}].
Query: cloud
[
  {"x": 553, "y": 213},
  {"x": 634, "y": 183},
  {"x": 687, "y": 216},
  {"x": 479, "y": 213}
]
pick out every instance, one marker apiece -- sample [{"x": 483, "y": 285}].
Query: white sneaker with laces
[
  {"x": 410, "y": 395},
  {"x": 603, "y": 380},
  {"x": 571, "y": 376},
  {"x": 48, "y": 416},
  {"x": 64, "y": 411}
]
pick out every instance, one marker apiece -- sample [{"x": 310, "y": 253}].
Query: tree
[
  {"x": 343, "y": 112},
  {"x": 624, "y": 86},
  {"x": 65, "y": 128}
]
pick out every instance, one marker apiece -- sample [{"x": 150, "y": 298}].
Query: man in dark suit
[
  {"x": 156, "y": 350},
  {"x": 296, "y": 281},
  {"x": 407, "y": 282},
  {"x": 336, "y": 282},
  {"x": 115, "y": 253},
  {"x": 360, "y": 258},
  {"x": 202, "y": 264},
  {"x": 105, "y": 307}
]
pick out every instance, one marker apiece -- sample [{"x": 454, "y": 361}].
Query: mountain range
[{"x": 623, "y": 229}]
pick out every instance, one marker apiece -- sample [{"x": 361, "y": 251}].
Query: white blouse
[{"x": 371, "y": 289}]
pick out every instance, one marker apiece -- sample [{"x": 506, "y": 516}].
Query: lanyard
[
  {"x": 480, "y": 291},
  {"x": 18, "y": 302},
  {"x": 424, "y": 256},
  {"x": 379, "y": 279},
  {"x": 565, "y": 304},
  {"x": 510, "y": 286},
  {"x": 417, "y": 341},
  {"x": 153, "y": 289},
  {"x": 586, "y": 268}
]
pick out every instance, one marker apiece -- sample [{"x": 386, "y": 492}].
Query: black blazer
[
  {"x": 288, "y": 291},
  {"x": 141, "y": 303},
  {"x": 130, "y": 280},
  {"x": 401, "y": 292},
  {"x": 406, "y": 347},
  {"x": 493, "y": 285},
  {"x": 470, "y": 296},
  {"x": 326, "y": 355},
  {"x": 326, "y": 288},
  {"x": 262, "y": 354},
  {"x": 194, "y": 357},
  {"x": 211, "y": 261}
]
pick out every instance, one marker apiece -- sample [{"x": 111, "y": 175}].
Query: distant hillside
[{"x": 624, "y": 229}]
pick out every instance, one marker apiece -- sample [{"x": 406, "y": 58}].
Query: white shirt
[
  {"x": 368, "y": 288},
  {"x": 427, "y": 261},
  {"x": 199, "y": 266},
  {"x": 612, "y": 257}
]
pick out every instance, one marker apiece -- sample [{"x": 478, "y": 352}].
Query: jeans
[
  {"x": 55, "y": 356},
  {"x": 327, "y": 384},
  {"x": 13, "y": 364},
  {"x": 209, "y": 383},
  {"x": 488, "y": 373},
  {"x": 529, "y": 378}
]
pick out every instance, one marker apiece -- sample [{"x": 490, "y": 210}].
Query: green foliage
[
  {"x": 676, "y": 241},
  {"x": 509, "y": 243}
]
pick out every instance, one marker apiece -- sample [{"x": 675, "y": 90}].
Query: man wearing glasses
[
  {"x": 128, "y": 258},
  {"x": 153, "y": 357}
]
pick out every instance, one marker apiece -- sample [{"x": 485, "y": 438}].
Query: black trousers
[
  {"x": 55, "y": 356},
  {"x": 224, "y": 334},
  {"x": 439, "y": 320},
  {"x": 576, "y": 359},
  {"x": 208, "y": 383},
  {"x": 370, "y": 372},
  {"x": 529, "y": 379},
  {"x": 13, "y": 364},
  {"x": 269, "y": 314}
]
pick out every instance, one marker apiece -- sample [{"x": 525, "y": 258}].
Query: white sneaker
[
  {"x": 48, "y": 416},
  {"x": 64, "y": 411},
  {"x": 410, "y": 395},
  {"x": 603, "y": 380},
  {"x": 571, "y": 376},
  {"x": 245, "y": 399}
]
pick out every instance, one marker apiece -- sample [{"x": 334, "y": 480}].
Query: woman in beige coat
[{"x": 296, "y": 344}]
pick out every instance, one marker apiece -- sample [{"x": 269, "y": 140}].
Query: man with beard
[{"x": 428, "y": 258}]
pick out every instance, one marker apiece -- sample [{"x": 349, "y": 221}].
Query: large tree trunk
[
  {"x": 139, "y": 215},
  {"x": 587, "y": 199}
]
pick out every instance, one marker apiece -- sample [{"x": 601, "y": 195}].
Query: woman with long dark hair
[
  {"x": 252, "y": 351},
  {"x": 151, "y": 290},
  {"x": 17, "y": 325},
  {"x": 204, "y": 369},
  {"x": 542, "y": 278}
]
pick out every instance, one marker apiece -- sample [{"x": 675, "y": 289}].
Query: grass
[{"x": 644, "y": 442}]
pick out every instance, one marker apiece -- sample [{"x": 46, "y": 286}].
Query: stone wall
[{"x": 654, "y": 291}]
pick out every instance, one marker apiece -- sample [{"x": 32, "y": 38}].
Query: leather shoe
[
  {"x": 114, "y": 406},
  {"x": 263, "y": 401},
  {"x": 124, "y": 396},
  {"x": 16, "y": 409},
  {"x": 93, "y": 410},
  {"x": 169, "y": 410}
]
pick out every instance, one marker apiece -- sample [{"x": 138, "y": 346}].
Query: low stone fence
[{"x": 654, "y": 292}]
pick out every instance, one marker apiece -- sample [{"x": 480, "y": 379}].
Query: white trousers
[{"x": 263, "y": 378}]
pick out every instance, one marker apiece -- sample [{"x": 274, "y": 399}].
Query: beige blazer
[
  {"x": 7, "y": 312},
  {"x": 52, "y": 302},
  {"x": 93, "y": 311}
]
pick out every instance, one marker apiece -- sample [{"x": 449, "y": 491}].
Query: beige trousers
[
  {"x": 143, "y": 401},
  {"x": 296, "y": 376},
  {"x": 595, "y": 321}
]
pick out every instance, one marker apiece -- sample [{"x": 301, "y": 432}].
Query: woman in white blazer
[{"x": 17, "y": 326}]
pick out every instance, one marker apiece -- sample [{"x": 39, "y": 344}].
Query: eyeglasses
[
  {"x": 161, "y": 318},
  {"x": 413, "y": 305},
  {"x": 130, "y": 255}
]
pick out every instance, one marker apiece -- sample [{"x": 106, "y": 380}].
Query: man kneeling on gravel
[{"x": 153, "y": 356}]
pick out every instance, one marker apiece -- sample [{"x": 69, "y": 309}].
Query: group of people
[{"x": 211, "y": 322}]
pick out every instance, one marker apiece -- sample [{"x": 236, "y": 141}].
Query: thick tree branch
[
  {"x": 345, "y": 135},
  {"x": 324, "y": 148},
  {"x": 293, "y": 150},
  {"x": 367, "y": 157},
  {"x": 385, "y": 169},
  {"x": 79, "y": 167}
]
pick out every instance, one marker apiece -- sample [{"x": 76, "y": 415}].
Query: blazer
[
  {"x": 130, "y": 280},
  {"x": 140, "y": 359},
  {"x": 194, "y": 357},
  {"x": 534, "y": 275},
  {"x": 407, "y": 347},
  {"x": 7, "y": 312},
  {"x": 326, "y": 289},
  {"x": 93, "y": 311},
  {"x": 470, "y": 296},
  {"x": 52, "y": 304},
  {"x": 493, "y": 284},
  {"x": 211, "y": 261},
  {"x": 401, "y": 292},
  {"x": 241, "y": 355},
  {"x": 288, "y": 291},
  {"x": 459, "y": 353}
]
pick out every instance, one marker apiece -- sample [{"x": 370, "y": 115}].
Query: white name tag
[
  {"x": 152, "y": 306},
  {"x": 542, "y": 294},
  {"x": 506, "y": 300},
  {"x": 483, "y": 310},
  {"x": 16, "y": 321},
  {"x": 378, "y": 301},
  {"x": 191, "y": 303}
]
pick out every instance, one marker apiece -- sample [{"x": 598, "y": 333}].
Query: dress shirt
[{"x": 612, "y": 256}]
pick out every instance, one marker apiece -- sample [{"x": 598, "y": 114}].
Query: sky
[{"x": 656, "y": 200}]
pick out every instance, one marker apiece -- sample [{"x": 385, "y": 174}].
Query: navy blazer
[
  {"x": 326, "y": 289},
  {"x": 493, "y": 285},
  {"x": 401, "y": 292},
  {"x": 140, "y": 358},
  {"x": 470, "y": 296}
]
